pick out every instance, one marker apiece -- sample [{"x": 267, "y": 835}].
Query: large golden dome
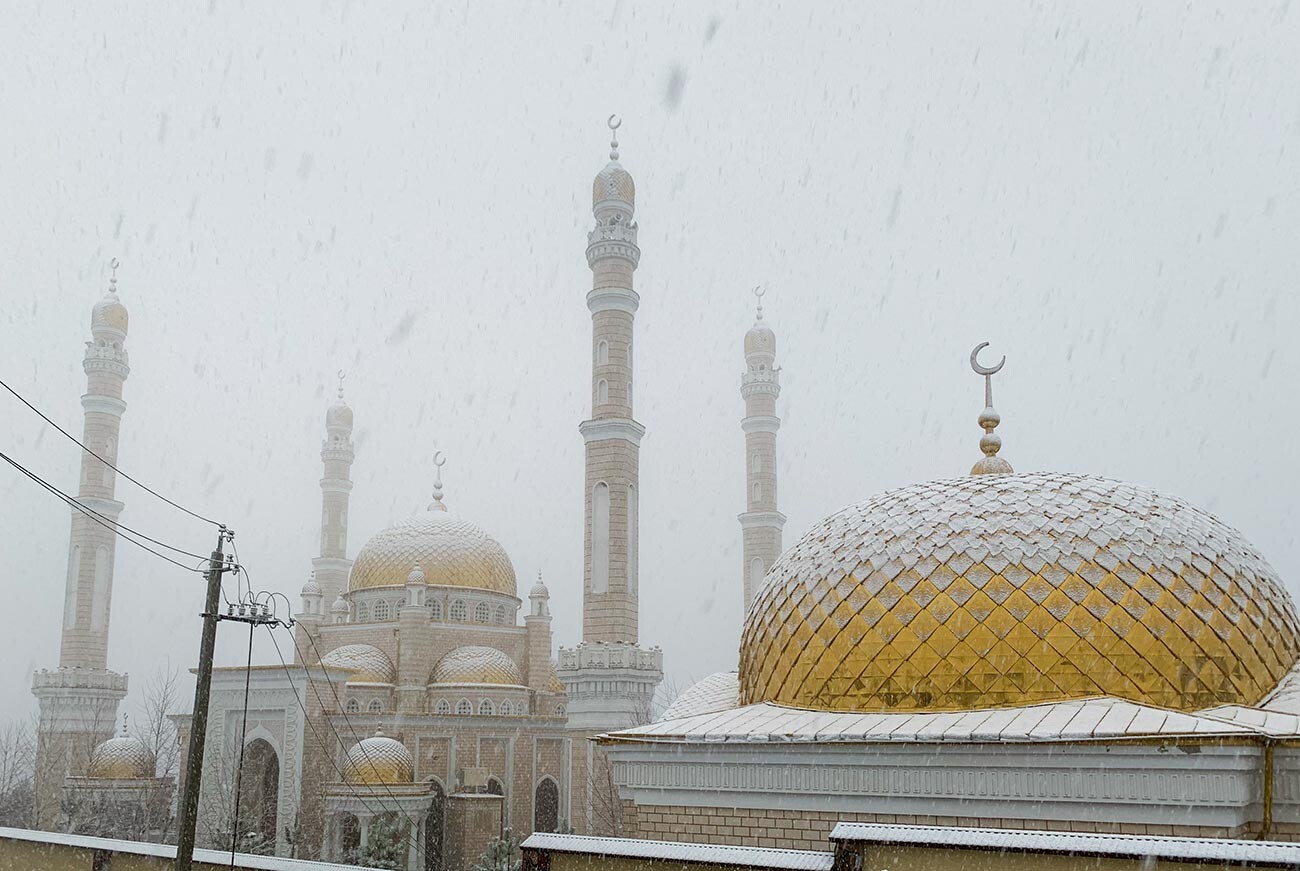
[
  {"x": 451, "y": 551},
  {"x": 1013, "y": 589}
]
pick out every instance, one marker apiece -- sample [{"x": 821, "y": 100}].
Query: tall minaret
[
  {"x": 79, "y": 701},
  {"x": 760, "y": 385},
  {"x": 336, "y": 453},
  {"x": 613, "y": 438},
  {"x": 610, "y": 681}
]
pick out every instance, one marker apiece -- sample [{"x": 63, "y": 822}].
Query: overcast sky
[{"x": 1108, "y": 193}]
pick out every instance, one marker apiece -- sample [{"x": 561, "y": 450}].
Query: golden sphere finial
[{"x": 990, "y": 442}]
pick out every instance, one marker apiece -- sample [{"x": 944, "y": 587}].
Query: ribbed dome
[
  {"x": 368, "y": 664},
  {"x": 553, "y": 682},
  {"x": 452, "y": 552},
  {"x": 378, "y": 760},
  {"x": 760, "y": 340},
  {"x": 109, "y": 313},
  {"x": 474, "y": 664},
  {"x": 613, "y": 183},
  {"x": 121, "y": 758},
  {"x": 339, "y": 415},
  {"x": 1014, "y": 589}
]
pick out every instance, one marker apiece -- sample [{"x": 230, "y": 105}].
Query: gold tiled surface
[
  {"x": 377, "y": 760},
  {"x": 475, "y": 664},
  {"x": 1012, "y": 589},
  {"x": 121, "y": 758},
  {"x": 367, "y": 663},
  {"x": 451, "y": 551},
  {"x": 553, "y": 682},
  {"x": 613, "y": 183}
]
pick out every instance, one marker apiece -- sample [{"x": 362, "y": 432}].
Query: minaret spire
[
  {"x": 760, "y": 385},
  {"x": 79, "y": 701},
  {"x": 610, "y": 681},
  {"x": 336, "y": 453}
]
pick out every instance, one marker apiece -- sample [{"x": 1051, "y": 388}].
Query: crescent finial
[
  {"x": 439, "y": 459},
  {"x": 984, "y": 370},
  {"x": 614, "y": 122}
]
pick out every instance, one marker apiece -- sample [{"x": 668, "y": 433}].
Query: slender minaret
[
  {"x": 760, "y": 385},
  {"x": 336, "y": 454},
  {"x": 79, "y": 701},
  {"x": 612, "y": 437},
  {"x": 609, "y": 680}
]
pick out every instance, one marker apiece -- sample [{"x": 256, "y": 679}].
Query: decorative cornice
[
  {"x": 761, "y": 423},
  {"x": 607, "y": 429},
  {"x": 761, "y": 519},
  {"x": 335, "y": 485},
  {"x": 347, "y": 454},
  {"x": 103, "y": 404},
  {"x": 622, "y": 299}
]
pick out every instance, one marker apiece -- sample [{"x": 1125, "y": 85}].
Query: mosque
[{"x": 1043, "y": 650}]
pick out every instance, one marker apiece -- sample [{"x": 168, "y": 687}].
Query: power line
[
  {"x": 76, "y": 441},
  {"x": 329, "y": 752},
  {"x": 112, "y": 526}
]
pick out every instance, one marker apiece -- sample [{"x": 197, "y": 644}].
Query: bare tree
[
  {"x": 17, "y": 771},
  {"x": 156, "y": 728}
]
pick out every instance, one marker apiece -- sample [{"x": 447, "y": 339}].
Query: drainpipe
[{"x": 1266, "y": 825}]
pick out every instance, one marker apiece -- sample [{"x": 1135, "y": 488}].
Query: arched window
[
  {"x": 560, "y": 710},
  {"x": 464, "y": 708},
  {"x": 375, "y": 707},
  {"x": 99, "y": 598},
  {"x": 546, "y": 806},
  {"x": 435, "y": 609},
  {"x": 602, "y": 352},
  {"x": 70, "y": 593},
  {"x": 756, "y": 463},
  {"x": 600, "y": 538},
  {"x": 381, "y": 611},
  {"x": 458, "y": 610},
  {"x": 494, "y": 787},
  {"x": 506, "y": 709},
  {"x": 259, "y": 790},
  {"x": 755, "y": 574},
  {"x": 443, "y": 707},
  {"x": 485, "y": 708},
  {"x": 363, "y": 612},
  {"x": 482, "y": 613},
  {"x": 633, "y": 567},
  {"x": 501, "y": 615},
  {"x": 758, "y": 491},
  {"x": 353, "y": 706},
  {"x": 602, "y": 392}
]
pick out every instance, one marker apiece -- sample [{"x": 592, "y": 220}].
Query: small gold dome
[
  {"x": 339, "y": 416},
  {"x": 613, "y": 183},
  {"x": 1015, "y": 589},
  {"x": 451, "y": 551},
  {"x": 368, "y": 664},
  {"x": 760, "y": 340},
  {"x": 121, "y": 758},
  {"x": 553, "y": 683},
  {"x": 474, "y": 664},
  {"x": 378, "y": 760},
  {"x": 109, "y": 313}
]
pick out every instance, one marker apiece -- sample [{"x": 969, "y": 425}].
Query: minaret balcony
[
  {"x": 762, "y": 382},
  {"x": 601, "y": 249},
  {"x": 340, "y": 453}
]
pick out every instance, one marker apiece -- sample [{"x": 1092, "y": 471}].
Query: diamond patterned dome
[
  {"x": 378, "y": 760},
  {"x": 473, "y": 664},
  {"x": 121, "y": 758},
  {"x": 368, "y": 664},
  {"x": 613, "y": 183},
  {"x": 1014, "y": 589},
  {"x": 451, "y": 551}
]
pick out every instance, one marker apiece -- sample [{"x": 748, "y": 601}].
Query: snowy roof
[
  {"x": 717, "y": 692},
  {"x": 1273, "y": 723},
  {"x": 168, "y": 851},
  {"x": 1136, "y": 846},
  {"x": 1081, "y": 720},
  {"x": 1285, "y": 698},
  {"x": 674, "y": 851}
]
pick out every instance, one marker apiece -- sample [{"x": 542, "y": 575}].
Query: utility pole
[{"x": 189, "y": 807}]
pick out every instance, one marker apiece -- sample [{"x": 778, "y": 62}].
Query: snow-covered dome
[
  {"x": 122, "y": 758},
  {"x": 1002, "y": 590},
  {"x": 476, "y": 665},
  {"x": 378, "y": 760},
  {"x": 367, "y": 663},
  {"x": 451, "y": 552}
]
